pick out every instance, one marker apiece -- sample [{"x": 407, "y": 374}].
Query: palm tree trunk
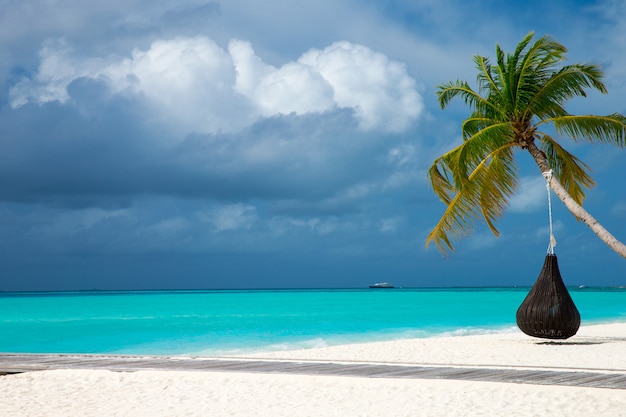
[{"x": 576, "y": 209}]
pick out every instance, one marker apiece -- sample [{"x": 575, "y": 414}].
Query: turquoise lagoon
[{"x": 219, "y": 322}]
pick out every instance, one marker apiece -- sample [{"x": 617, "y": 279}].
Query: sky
[{"x": 241, "y": 144}]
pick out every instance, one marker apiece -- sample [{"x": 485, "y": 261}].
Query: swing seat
[{"x": 548, "y": 310}]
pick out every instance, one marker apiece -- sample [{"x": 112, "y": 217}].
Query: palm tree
[{"x": 519, "y": 101}]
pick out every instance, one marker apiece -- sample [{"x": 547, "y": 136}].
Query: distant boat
[{"x": 381, "y": 285}]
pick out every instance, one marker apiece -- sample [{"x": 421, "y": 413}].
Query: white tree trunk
[
  {"x": 587, "y": 218},
  {"x": 575, "y": 208}
]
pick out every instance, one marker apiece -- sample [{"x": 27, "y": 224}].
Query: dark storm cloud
[
  {"x": 285, "y": 141},
  {"x": 95, "y": 149},
  {"x": 102, "y": 131},
  {"x": 85, "y": 148}
]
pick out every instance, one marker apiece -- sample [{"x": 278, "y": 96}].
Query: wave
[{"x": 358, "y": 338}]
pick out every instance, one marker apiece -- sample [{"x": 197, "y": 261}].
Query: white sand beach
[{"x": 599, "y": 348}]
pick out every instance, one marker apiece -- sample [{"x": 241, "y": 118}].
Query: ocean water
[{"x": 237, "y": 322}]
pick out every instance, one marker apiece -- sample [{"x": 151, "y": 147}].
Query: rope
[{"x": 548, "y": 176}]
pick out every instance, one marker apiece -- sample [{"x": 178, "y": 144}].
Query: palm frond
[
  {"x": 484, "y": 194},
  {"x": 571, "y": 172},
  {"x": 545, "y": 53},
  {"x": 609, "y": 129},
  {"x": 448, "y": 91},
  {"x": 439, "y": 177},
  {"x": 499, "y": 181},
  {"x": 486, "y": 82},
  {"x": 477, "y": 147},
  {"x": 474, "y": 124},
  {"x": 456, "y": 222},
  {"x": 537, "y": 66},
  {"x": 569, "y": 82}
]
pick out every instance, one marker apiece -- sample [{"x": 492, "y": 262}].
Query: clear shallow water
[{"x": 231, "y": 322}]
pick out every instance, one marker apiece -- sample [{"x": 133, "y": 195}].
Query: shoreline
[
  {"x": 598, "y": 348},
  {"x": 594, "y": 347},
  {"x": 312, "y": 345}
]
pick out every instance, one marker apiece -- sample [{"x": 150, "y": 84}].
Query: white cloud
[
  {"x": 404, "y": 158},
  {"x": 399, "y": 179},
  {"x": 482, "y": 241},
  {"x": 233, "y": 217},
  {"x": 292, "y": 88},
  {"x": 544, "y": 232},
  {"x": 619, "y": 208},
  {"x": 195, "y": 84},
  {"x": 343, "y": 75},
  {"x": 390, "y": 224},
  {"x": 189, "y": 79},
  {"x": 169, "y": 226},
  {"x": 58, "y": 68},
  {"x": 380, "y": 90},
  {"x": 402, "y": 155},
  {"x": 76, "y": 221},
  {"x": 531, "y": 196}
]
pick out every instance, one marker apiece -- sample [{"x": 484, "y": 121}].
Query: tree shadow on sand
[{"x": 595, "y": 341}]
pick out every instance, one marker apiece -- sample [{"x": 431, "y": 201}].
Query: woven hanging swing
[{"x": 548, "y": 310}]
